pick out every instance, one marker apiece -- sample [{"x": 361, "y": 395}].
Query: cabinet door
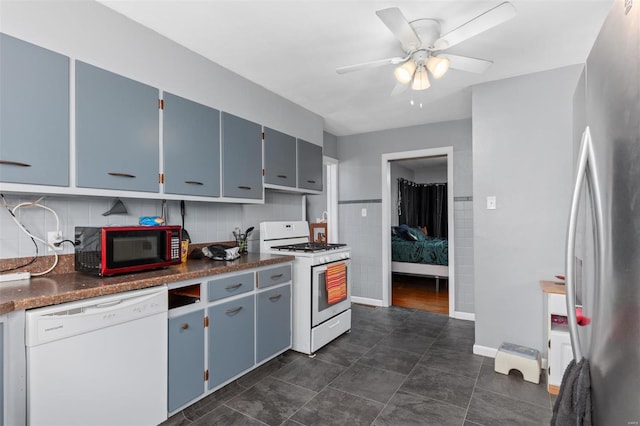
[
  {"x": 309, "y": 166},
  {"x": 117, "y": 131},
  {"x": 191, "y": 147},
  {"x": 186, "y": 358},
  {"x": 273, "y": 322},
  {"x": 241, "y": 158},
  {"x": 34, "y": 114},
  {"x": 231, "y": 339},
  {"x": 560, "y": 355},
  {"x": 279, "y": 158}
]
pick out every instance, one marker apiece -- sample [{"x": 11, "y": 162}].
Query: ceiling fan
[{"x": 421, "y": 40}]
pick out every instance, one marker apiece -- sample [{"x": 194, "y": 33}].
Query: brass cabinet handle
[
  {"x": 116, "y": 174},
  {"x": 244, "y": 187},
  {"x": 275, "y": 298},
  {"x": 14, "y": 163},
  {"x": 233, "y": 311},
  {"x": 193, "y": 182},
  {"x": 233, "y": 287},
  {"x": 282, "y": 176},
  {"x": 275, "y": 277},
  {"x": 185, "y": 326}
]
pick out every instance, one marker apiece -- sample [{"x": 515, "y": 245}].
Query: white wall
[
  {"x": 360, "y": 176},
  {"x": 522, "y": 154},
  {"x": 206, "y": 222}
]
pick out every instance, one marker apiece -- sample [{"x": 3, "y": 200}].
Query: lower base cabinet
[
  {"x": 186, "y": 358},
  {"x": 273, "y": 321},
  {"x": 241, "y": 326},
  {"x": 231, "y": 339}
]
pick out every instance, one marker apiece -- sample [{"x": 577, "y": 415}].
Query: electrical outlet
[{"x": 54, "y": 237}]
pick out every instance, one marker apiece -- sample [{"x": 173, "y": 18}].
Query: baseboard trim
[
  {"x": 467, "y": 316},
  {"x": 485, "y": 351},
  {"x": 367, "y": 301}
]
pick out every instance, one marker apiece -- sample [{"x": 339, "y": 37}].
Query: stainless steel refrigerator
[{"x": 603, "y": 247}]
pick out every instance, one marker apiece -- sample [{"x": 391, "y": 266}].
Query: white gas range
[{"x": 316, "y": 321}]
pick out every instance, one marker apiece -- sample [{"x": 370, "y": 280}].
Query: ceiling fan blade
[
  {"x": 373, "y": 64},
  {"x": 464, "y": 63},
  {"x": 399, "y": 88},
  {"x": 477, "y": 25},
  {"x": 399, "y": 26}
]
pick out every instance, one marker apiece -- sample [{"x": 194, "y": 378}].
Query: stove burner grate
[{"x": 308, "y": 247}]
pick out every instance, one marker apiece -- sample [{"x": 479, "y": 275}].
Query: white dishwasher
[{"x": 100, "y": 361}]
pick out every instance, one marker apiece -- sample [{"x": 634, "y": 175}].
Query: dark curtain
[{"x": 423, "y": 204}]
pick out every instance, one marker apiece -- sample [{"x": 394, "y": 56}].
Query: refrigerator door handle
[{"x": 586, "y": 171}]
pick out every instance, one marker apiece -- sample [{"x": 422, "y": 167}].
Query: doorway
[{"x": 412, "y": 283}]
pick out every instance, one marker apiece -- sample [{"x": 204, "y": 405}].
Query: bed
[{"x": 414, "y": 253}]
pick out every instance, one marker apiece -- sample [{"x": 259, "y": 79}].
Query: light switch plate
[
  {"x": 491, "y": 203},
  {"x": 364, "y": 212}
]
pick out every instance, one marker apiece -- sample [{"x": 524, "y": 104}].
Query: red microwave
[{"x": 112, "y": 250}]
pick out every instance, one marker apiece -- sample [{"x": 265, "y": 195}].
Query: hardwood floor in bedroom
[{"x": 414, "y": 292}]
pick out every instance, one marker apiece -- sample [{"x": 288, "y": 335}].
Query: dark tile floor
[{"x": 396, "y": 367}]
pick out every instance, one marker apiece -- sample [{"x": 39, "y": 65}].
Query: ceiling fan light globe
[
  {"x": 438, "y": 66},
  {"x": 404, "y": 73},
  {"x": 421, "y": 80}
]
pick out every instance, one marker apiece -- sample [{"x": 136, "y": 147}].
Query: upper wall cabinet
[
  {"x": 309, "y": 166},
  {"x": 117, "y": 131},
  {"x": 191, "y": 147},
  {"x": 279, "y": 158},
  {"x": 34, "y": 114},
  {"x": 241, "y": 158}
]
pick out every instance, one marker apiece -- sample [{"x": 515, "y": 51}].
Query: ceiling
[{"x": 292, "y": 48}]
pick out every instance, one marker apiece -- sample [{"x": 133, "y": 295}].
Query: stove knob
[
  {"x": 343, "y": 255},
  {"x": 327, "y": 259}
]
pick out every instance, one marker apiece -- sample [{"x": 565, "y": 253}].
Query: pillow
[
  {"x": 417, "y": 233},
  {"x": 403, "y": 231}
]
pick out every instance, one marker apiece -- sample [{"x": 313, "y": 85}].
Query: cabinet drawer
[
  {"x": 230, "y": 286},
  {"x": 273, "y": 276},
  {"x": 557, "y": 304}
]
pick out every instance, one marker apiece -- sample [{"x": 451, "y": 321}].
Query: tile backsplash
[{"x": 206, "y": 222}]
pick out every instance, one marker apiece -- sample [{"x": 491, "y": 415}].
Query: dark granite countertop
[{"x": 61, "y": 288}]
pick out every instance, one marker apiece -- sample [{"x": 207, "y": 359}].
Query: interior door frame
[{"x": 386, "y": 218}]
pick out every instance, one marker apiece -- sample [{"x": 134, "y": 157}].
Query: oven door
[{"x": 322, "y": 310}]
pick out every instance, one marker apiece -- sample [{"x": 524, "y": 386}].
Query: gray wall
[
  {"x": 431, "y": 174},
  {"x": 522, "y": 154},
  {"x": 397, "y": 171},
  {"x": 91, "y": 32},
  {"x": 360, "y": 187},
  {"x": 330, "y": 147}
]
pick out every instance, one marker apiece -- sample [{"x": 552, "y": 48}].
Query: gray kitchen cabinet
[
  {"x": 309, "y": 166},
  {"x": 191, "y": 147},
  {"x": 279, "y": 158},
  {"x": 274, "y": 275},
  {"x": 241, "y": 158},
  {"x": 186, "y": 372},
  {"x": 231, "y": 339},
  {"x": 117, "y": 131},
  {"x": 273, "y": 322},
  {"x": 34, "y": 114}
]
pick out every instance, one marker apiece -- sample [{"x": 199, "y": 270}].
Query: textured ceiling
[{"x": 293, "y": 47}]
